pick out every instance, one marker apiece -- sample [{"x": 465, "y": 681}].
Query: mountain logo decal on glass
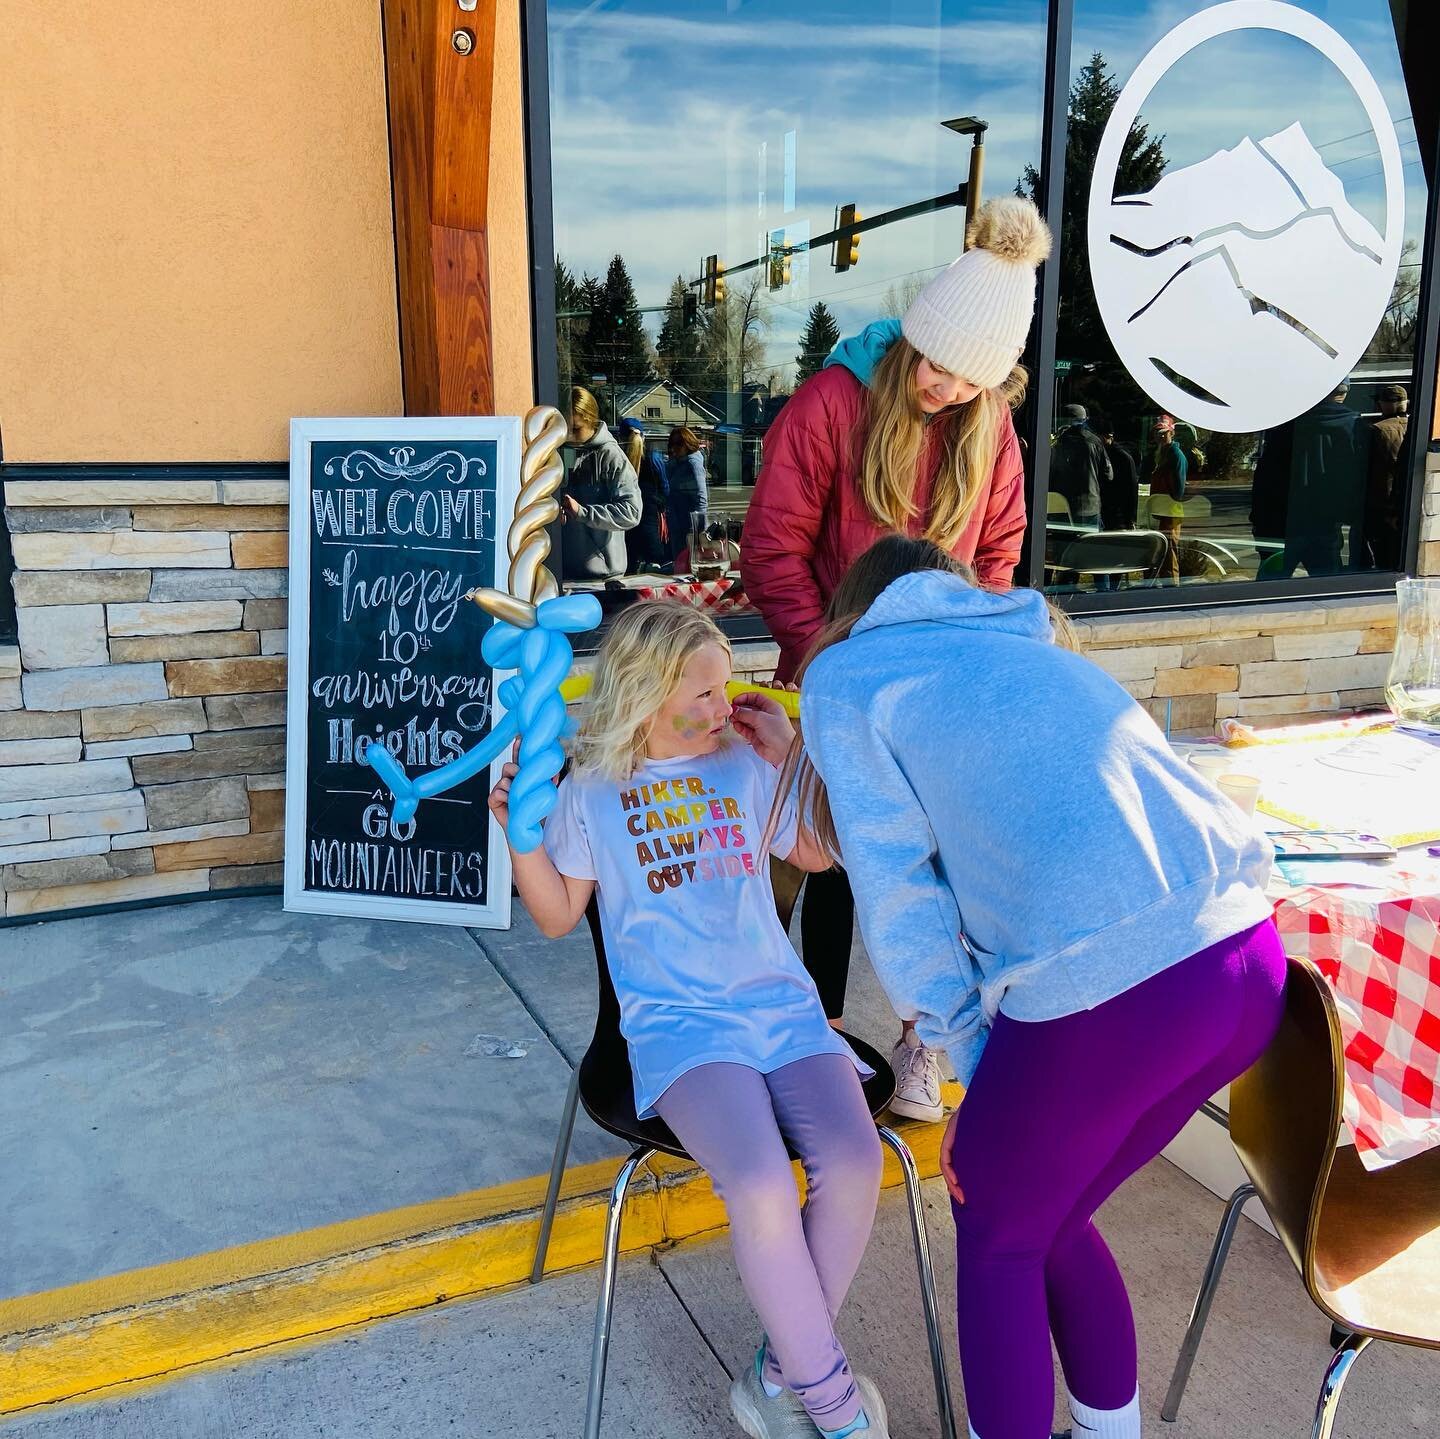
[{"x": 1240, "y": 290}]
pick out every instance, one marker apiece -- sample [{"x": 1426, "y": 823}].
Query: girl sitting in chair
[{"x": 662, "y": 810}]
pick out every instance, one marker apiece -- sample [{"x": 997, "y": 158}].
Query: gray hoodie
[
  {"x": 1020, "y": 836},
  {"x": 603, "y": 483}
]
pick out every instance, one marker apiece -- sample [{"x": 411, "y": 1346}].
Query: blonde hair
[
  {"x": 584, "y": 409},
  {"x": 883, "y": 563},
  {"x": 889, "y": 462},
  {"x": 640, "y": 665},
  {"x": 634, "y": 448}
]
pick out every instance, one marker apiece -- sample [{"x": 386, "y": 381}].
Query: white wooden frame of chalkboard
[{"x": 494, "y": 913}]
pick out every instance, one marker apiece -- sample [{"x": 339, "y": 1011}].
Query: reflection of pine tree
[
  {"x": 1080, "y": 334},
  {"x": 617, "y": 340},
  {"x": 1142, "y": 162},
  {"x": 572, "y": 325},
  {"x": 820, "y": 335},
  {"x": 678, "y": 350}
]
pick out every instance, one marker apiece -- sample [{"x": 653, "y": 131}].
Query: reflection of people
[
  {"x": 1166, "y": 470},
  {"x": 1388, "y": 458},
  {"x": 644, "y": 545},
  {"x": 1079, "y": 466},
  {"x": 1090, "y": 1009},
  {"x": 906, "y": 429},
  {"x": 601, "y": 498},
  {"x": 1328, "y": 464},
  {"x": 685, "y": 471},
  {"x": 1120, "y": 500},
  {"x": 728, "y": 1043}
]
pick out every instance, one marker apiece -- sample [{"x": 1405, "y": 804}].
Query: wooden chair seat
[{"x": 1377, "y": 1248}]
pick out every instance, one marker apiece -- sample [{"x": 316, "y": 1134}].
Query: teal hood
[{"x": 861, "y": 353}]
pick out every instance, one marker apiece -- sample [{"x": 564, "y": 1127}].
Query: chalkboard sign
[{"x": 391, "y": 523}]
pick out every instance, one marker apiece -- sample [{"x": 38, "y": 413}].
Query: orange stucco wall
[{"x": 195, "y": 228}]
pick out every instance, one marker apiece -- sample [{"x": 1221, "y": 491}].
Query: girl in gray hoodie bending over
[
  {"x": 1078, "y": 918},
  {"x": 601, "y": 499}
]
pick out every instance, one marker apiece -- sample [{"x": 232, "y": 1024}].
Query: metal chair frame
[{"x": 1295, "y": 1209}]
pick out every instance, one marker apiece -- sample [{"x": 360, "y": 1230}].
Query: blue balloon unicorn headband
[{"x": 529, "y": 635}]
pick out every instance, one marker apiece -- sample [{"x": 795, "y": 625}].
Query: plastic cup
[
  {"x": 1242, "y": 789},
  {"x": 1210, "y": 764}
]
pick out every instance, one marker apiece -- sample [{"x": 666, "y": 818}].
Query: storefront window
[
  {"x": 1241, "y": 268},
  {"x": 701, "y": 150}
]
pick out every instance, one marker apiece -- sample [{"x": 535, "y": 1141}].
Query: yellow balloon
[{"x": 577, "y": 686}]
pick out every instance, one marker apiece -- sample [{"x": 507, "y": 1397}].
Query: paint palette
[{"x": 1329, "y": 844}]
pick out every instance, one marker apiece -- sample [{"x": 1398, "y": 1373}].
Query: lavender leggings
[
  {"x": 1060, "y": 1114},
  {"x": 796, "y": 1265}
]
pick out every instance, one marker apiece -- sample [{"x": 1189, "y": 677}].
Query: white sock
[{"x": 1106, "y": 1423}]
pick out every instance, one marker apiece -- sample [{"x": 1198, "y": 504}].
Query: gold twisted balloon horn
[{"x": 536, "y": 508}]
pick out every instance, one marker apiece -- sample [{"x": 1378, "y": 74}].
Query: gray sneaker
[{"x": 762, "y": 1417}]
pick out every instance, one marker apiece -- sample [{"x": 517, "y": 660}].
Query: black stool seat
[
  {"x": 607, "y": 1094},
  {"x": 607, "y": 1086}
]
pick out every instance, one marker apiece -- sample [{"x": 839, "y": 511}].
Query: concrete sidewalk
[
  {"x": 188, "y": 1078},
  {"x": 516, "y": 1363},
  {"x": 184, "y": 1079},
  {"x": 226, "y": 1126}
]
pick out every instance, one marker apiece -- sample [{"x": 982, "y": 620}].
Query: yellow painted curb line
[{"x": 149, "y": 1323}]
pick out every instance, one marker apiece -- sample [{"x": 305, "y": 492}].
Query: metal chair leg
[
  {"x": 557, "y": 1173},
  {"x": 943, "y": 1404},
  {"x": 600, "y": 1347},
  {"x": 1203, "y": 1300},
  {"x": 1337, "y": 1372}
]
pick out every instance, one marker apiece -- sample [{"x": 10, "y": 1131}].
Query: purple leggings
[
  {"x": 796, "y": 1265},
  {"x": 1059, "y": 1115}
]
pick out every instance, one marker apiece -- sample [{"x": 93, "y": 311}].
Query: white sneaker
[{"x": 917, "y": 1080}]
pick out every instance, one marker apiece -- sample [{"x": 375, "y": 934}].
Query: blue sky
[{"x": 669, "y": 121}]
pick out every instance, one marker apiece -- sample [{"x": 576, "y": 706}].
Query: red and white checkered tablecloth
[
  {"x": 1380, "y": 951},
  {"x": 722, "y": 596}
]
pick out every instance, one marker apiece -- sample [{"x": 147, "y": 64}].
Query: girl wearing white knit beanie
[{"x": 907, "y": 429}]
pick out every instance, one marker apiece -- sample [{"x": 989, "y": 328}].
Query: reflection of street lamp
[{"x": 975, "y": 127}]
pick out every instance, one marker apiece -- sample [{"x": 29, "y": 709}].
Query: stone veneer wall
[{"x": 142, "y": 742}]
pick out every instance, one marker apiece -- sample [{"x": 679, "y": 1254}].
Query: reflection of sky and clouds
[
  {"x": 669, "y": 122},
  {"x": 660, "y": 110}
]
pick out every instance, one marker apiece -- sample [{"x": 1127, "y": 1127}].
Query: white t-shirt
[{"x": 702, "y": 969}]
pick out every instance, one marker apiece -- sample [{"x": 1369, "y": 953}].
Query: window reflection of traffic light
[
  {"x": 847, "y": 242},
  {"x": 714, "y": 281}
]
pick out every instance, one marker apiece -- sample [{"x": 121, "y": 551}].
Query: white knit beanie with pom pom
[{"x": 972, "y": 318}]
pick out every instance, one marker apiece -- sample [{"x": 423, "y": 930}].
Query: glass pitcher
[{"x": 1413, "y": 687}]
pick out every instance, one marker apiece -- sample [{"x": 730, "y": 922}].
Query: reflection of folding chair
[
  {"x": 1206, "y": 559},
  {"x": 1116, "y": 553},
  {"x": 1167, "y": 514},
  {"x": 1057, "y": 505},
  {"x": 604, "y": 1085}
]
